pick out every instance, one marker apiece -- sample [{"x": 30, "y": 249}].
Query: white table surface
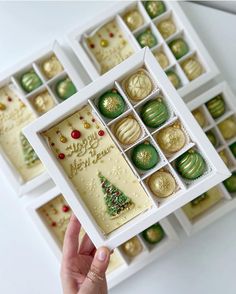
[{"x": 205, "y": 263}]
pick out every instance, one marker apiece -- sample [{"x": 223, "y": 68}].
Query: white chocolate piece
[{"x": 127, "y": 131}]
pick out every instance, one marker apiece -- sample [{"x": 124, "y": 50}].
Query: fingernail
[{"x": 101, "y": 255}]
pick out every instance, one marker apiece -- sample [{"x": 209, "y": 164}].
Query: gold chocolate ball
[
  {"x": 228, "y": 128},
  {"x": 224, "y": 157},
  {"x": 162, "y": 184},
  {"x": 43, "y": 102},
  {"x": 132, "y": 247},
  {"x": 104, "y": 43},
  {"x": 166, "y": 28},
  {"x": 199, "y": 116},
  {"x": 127, "y": 131},
  {"x": 133, "y": 19},
  {"x": 192, "y": 68},
  {"x": 51, "y": 67},
  {"x": 87, "y": 125},
  {"x": 138, "y": 86},
  {"x": 63, "y": 139},
  {"x": 2, "y": 106},
  {"x": 171, "y": 139},
  {"x": 162, "y": 59}
]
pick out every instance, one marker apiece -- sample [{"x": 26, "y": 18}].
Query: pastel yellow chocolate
[
  {"x": 43, "y": 102},
  {"x": 192, "y": 68},
  {"x": 138, "y": 85},
  {"x": 162, "y": 184},
  {"x": 132, "y": 247},
  {"x": 133, "y": 19},
  {"x": 200, "y": 117},
  {"x": 127, "y": 130},
  {"x": 166, "y": 28},
  {"x": 51, "y": 67},
  {"x": 162, "y": 59},
  {"x": 228, "y": 128},
  {"x": 224, "y": 157}
]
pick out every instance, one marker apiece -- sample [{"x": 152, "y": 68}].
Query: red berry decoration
[
  {"x": 53, "y": 224},
  {"x": 101, "y": 133},
  {"x": 65, "y": 208},
  {"x": 75, "y": 134},
  {"x": 61, "y": 155}
]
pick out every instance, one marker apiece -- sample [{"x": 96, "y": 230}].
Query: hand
[{"x": 83, "y": 267}]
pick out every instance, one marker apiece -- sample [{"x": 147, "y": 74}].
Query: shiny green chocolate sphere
[
  {"x": 233, "y": 148},
  {"x": 174, "y": 78},
  {"x": 154, "y": 8},
  {"x": 65, "y": 88},
  {"x": 212, "y": 138},
  {"x": 111, "y": 104},
  {"x": 230, "y": 183},
  {"x": 30, "y": 81},
  {"x": 153, "y": 234},
  {"x": 216, "y": 106},
  {"x": 154, "y": 113},
  {"x": 191, "y": 165},
  {"x": 179, "y": 48},
  {"x": 147, "y": 38},
  {"x": 144, "y": 156}
]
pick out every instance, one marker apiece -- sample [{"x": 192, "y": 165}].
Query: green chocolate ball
[
  {"x": 111, "y": 104},
  {"x": 65, "y": 88},
  {"x": 153, "y": 234},
  {"x": 144, "y": 156},
  {"x": 230, "y": 183},
  {"x": 154, "y": 113},
  {"x": 174, "y": 78},
  {"x": 233, "y": 148},
  {"x": 147, "y": 38},
  {"x": 30, "y": 81},
  {"x": 212, "y": 138},
  {"x": 179, "y": 48},
  {"x": 191, "y": 165},
  {"x": 216, "y": 106},
  {"x": 154, "y": 8}
]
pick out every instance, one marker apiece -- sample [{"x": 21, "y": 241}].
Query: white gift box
[
  {"x": 126, "y": 267},
  {"x": 11, "y": 77},
  {"x": 183, "y": 29},
  {"x": 216, "y": 171},
  {"x": 228, "y": 200}
]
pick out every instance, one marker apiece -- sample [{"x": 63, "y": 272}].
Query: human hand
[{"x": 83, "y": 267}]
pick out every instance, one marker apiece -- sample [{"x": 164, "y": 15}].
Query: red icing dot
[
  {"x": 9, "y": 99},
  {"x": 101, "y": 133},
  {"x": 53, "y": 224},
  {"x": 81, "y": 117},
  {"x": 52, "y": 144},
  {"x": 75, "y": 134},
  {"x": 93, "y": 120},
  {"x": 92, "y": 45},
  {"x": 61, "y": 155},
  {"x": 65, "y": 208},
  {"x": 111, "y": 35}
]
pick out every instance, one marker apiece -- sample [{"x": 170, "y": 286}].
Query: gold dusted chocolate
[
  {"x": 228, "y": 128},
  {"x": 192, "y": 68},
  {"x": 132, "y": 247},
  {"x": 133, "y": 19},
  {"x": 162, "y": 184},
  {"x": 171, "y": 139},
  {"x": 43, "y": 102},
  {"x": 138, "y": 85},
  {"x": 166, "y": 28},
  {"x": 51, "y": 67},
  {"x": 128, "y": 130},
  {"x": 200, "y": 117},
  {"x": 224, "y": 157},
  {"x": 162, "y": 59}
]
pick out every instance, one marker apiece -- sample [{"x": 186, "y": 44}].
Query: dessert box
[
  {"x": 106, "y": 41},
  {"x": 111, "y": 187},
  {"x": 27, "y": 91},
  {"x": 51, "y": 213},
  {"x": 215, "y": 111}
]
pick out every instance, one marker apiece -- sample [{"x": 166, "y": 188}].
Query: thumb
[{"x": 95, "y": 281}]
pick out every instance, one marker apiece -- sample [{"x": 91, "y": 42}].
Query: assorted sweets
[
  {"x": 203, "y": 203},
  {"x": 147, "y": 23},
  {"x": 14, "y": 116}
]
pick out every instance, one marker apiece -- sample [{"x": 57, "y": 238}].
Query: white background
[{"x": 205, "y": 263}]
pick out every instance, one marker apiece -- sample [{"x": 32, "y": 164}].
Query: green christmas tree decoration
[
  {"x": 30, "y": 157},
  {"x": 115, "y": 200}
]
